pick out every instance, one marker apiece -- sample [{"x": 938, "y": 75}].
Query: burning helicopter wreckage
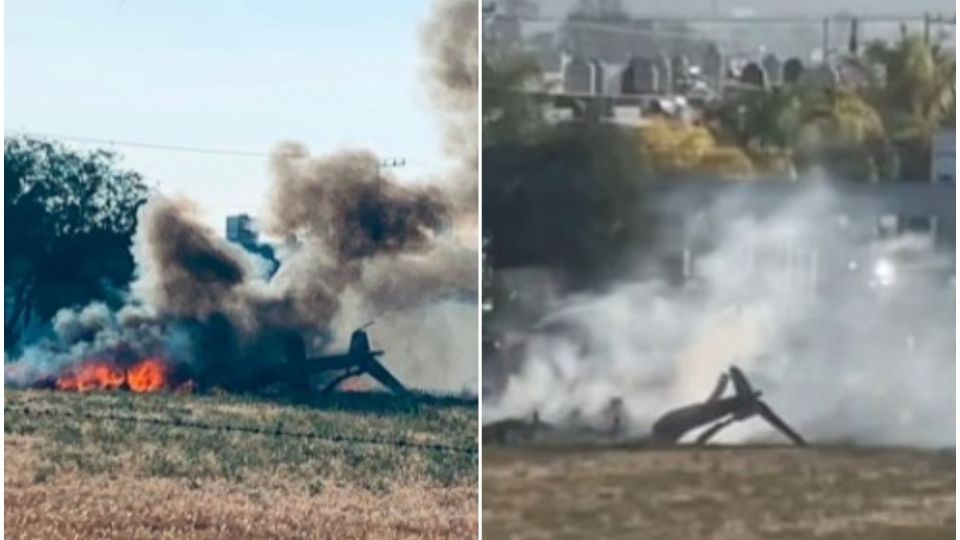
[
  {"x": 715, "y": 413},
  {"x": 357, "y": 246},
  {"x": 201, "y": 316}
]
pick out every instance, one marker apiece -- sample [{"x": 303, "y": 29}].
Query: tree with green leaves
[
  {"x": 69, "y": 218},
  {"x": 834, "y": 129},
  {"x": 758, "y": 118},
  {"x": 570, "y": 200},
  {"x": 842, "y": 133},
  {"x": 508, "y": 113},
  {"x": 565, "y": 196},
  {"x": 917, "y": 99}
]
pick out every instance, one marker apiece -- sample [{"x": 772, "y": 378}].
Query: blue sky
[{"x": 222, "y": 74}]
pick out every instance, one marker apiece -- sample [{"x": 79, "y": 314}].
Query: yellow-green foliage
[{"x": 677, "y": 148}]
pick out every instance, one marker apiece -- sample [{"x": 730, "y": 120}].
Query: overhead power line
[
  {"x": 137, "y": 144},
  {"x": 384, "y": 163},
  {"x": 785, "y": 19}
]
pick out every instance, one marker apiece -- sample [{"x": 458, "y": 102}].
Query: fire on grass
[{"x": 147, "y": 375}]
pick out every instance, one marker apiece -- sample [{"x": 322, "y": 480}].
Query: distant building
[
  {"x": 754, "y": 75},
  {"x": 713, "y": 64},
  {"x": 820, "y": 77},
  {"x": 582, "y": 76},
  {"x": 640, "y": 76},
  {"x": 944, "y": 165},
  {"x": 772, "y": 69},
  {"x": 242, "y": 230},
  {"x": 792, "y": 71},
  {"x": 846, "y": 71}
]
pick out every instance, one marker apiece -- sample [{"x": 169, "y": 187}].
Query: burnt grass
[
  {"x": 246, "y": 469},
  {"x": 718, "y": 493}
]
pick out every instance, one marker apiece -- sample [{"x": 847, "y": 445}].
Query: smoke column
[
  {"x": 451, "y": 43},
  {"x": 392, "y": 254}
]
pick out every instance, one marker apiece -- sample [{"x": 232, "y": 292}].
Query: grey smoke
[
  {"x": 71, "y": 326},
  {"x": 94, "y": 332},
  {"x": 450, "y": 42}
]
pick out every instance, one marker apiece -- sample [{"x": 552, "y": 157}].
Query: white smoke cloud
[{"x": 838, "y": 359}]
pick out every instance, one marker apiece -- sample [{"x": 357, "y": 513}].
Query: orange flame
[
  {"x": 92, "y": 376},
  {"x": 149, "y": 375},
  {"x": 354, "y": 384}
]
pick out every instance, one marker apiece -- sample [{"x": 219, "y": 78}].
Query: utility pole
[
  {"x": 854, "y": 38},
  {"x": 826, "y": 39},
  {"x": 391, "y": 163},
  {"x": 937, "y": 22}
]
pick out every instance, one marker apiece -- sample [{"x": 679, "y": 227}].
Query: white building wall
[{"x": 944, "y": 167}]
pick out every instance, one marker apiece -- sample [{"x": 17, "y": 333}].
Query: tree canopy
[
  {"x": 565, "y": 196},
  {"x": 69, "y": 216},
  {"x": 509, "y": 114},
  {"x": 677, "y": 149},
  {"x": 918, "y": 97},
  {"x": 880, "y": 129},
  {"x": 571, "y": 201},
  {"x": 569, "y": 195}
]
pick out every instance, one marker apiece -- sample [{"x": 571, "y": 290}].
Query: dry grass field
[
  {"x": 72, "y": 474},
  {"x": 718, "y": 493}
]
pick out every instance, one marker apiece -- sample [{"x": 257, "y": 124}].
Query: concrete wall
[{"x": 944, "y": 168}]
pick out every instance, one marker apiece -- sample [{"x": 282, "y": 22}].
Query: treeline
[
  {"x": 570, "y": 195},
  {"x": 70, "y": 217},
  {"x": 879, "y": 128}
]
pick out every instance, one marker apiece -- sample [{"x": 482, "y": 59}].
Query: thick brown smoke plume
[
  {"x": 342, "y": 201},
  {"x": 186, "y": 272},
  {"x": 393, "y": 247},
  {"x": 355, "y": 245},
  {"x": 184, "y": 269}
]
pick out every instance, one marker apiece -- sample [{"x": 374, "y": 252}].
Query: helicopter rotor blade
[
  {"x": 720, "y": 388},
  {"x": 740, "y": 383},
  {"x": 767, "y": 413},
  {"x": 705, "y": 437}
]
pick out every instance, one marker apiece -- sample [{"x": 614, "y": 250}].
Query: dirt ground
[
  {"x": 81, "y": 476},
  {"x": 718, "y": 493}
]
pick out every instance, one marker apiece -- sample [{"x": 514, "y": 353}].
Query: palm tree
[
  {"x": 843, "y": 133},
  {"x": 509, "y": 114},
  {"x": 917, "y": 99}
]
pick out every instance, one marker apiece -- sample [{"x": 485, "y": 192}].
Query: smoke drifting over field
[
  {"x": 357, "y": 246},
  {"x": 837, "y": 358}
]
